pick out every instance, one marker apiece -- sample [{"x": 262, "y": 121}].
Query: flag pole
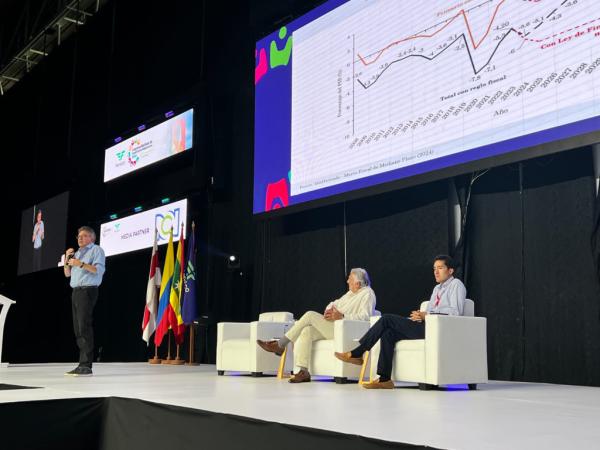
[
  {"x": 191, "y": 351},
  {"x": 156, "y": 359},
  {"x": 191, "y": 362},
  {"x": 169, "y": 351},
  {"x": 178, "y": 361},
  {"x": 169, "y": 359},
  {"x": 155, "y": 290},
  {"x": 192, "y": 298}
]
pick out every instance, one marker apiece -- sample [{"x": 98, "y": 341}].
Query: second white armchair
[
  {"x": 346, "y": 334},
  {"x": 236, "y": 344}
]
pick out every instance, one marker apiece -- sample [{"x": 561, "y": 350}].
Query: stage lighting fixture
[
  {"x": 233, "y": 262},
  {"x": 137, "y": 209},
  {"x": 169, "y": 114},
  {"x": 141, "y": 127},
  {"x": 118, "y": 139},
  {"x": 113, "y": 217},
  {"x": 165, "y": 200}
]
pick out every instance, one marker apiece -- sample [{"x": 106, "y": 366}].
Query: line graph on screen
[{"x": 392, "y": 84}]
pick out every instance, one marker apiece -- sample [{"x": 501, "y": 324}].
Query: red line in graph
[
  {"x": 460, "y": 13},
  {"x": 557, "y": 34}
]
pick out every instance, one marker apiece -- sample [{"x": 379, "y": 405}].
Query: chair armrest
[
  {"x": 345, "y": 333},
  {"x": 456, "y": 341},
  {"x": 373, "y": 320},
  {"x": 448, "y": 331},
  {"x": 265, "y": 331},
  {"x": 5, "y": 301},
  {"x": 232, "y": 330}
]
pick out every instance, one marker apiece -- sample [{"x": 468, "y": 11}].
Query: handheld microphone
[{"x": 68, "y": 255}]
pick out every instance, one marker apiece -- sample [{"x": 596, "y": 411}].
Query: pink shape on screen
[
  {"x": 277, "y": 195},
  {"x": 261, "y": 69}
]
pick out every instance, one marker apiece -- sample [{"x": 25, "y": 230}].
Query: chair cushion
[
  {"x": 469, "y": 309},
  {"x": 280, "y": 316},
  {"x": 322, "y": 361},
  {"x": 240, "y": 345},
  {"x": 325, "y": 345},
  {"x": 410, "y": 345},
  {"x": 235, "y": 355}
]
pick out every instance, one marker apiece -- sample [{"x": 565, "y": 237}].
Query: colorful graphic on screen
[
  {"x": 362, "y": 92},
  {"x": 136, "y": 232},
  {"x": 152, "y": 145}
]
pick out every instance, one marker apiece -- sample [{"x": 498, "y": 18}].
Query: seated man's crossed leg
[
  {"x": 356, "y": 304},
  {"x": 389, "y": 329},
  {"x": 448, "y": 298},
  {"x": 311, "y": 327}
]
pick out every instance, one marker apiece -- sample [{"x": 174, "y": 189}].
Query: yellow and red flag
[
  {"x": 175, "y": 319},
  {"x": 164, "y": 304}
]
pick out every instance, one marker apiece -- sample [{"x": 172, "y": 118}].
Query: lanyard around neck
[{"x": 440, "y": 292}]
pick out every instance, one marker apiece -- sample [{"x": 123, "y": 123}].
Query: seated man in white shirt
[
  {"x": 356, "y": 304},
  {"x": 448, "y": 298}
]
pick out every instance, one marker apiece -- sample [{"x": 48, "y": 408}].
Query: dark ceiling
[{"x": 22, "y": 19}]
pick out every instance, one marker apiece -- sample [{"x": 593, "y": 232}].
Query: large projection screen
[{"x": 360, "y": 93}]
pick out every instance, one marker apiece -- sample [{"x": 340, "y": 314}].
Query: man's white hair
[
  {"x": 361, "y": 276},
  {"x": 88, "y": 230}
]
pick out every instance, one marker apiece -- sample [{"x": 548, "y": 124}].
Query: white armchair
[
  {"x": 237, "y": 349},
  {"x": 345, "y": 337},
  {"x": 454, "y": 351},
  {"x": 5, "y": 303}
]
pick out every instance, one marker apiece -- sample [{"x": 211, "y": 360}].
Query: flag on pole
[
  {"x": 154, "y": 281},
  {"x": 189, "y": 282},
  {"x": 162, "y": 316},
  {"x": 175, "y": 319}
]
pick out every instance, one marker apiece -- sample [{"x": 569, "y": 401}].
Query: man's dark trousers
[
  {"x": 390, "y": 329},
  {"x": 37, "y": 259},
  {"x": 83, "y": 301}
]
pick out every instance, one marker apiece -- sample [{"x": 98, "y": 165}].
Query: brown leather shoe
[
  {"x": 348, "y": 358},
  {"x": 270, "y": 346},
  {"x": 389, "y": 384},
  {"x": 301, "y": 377}
]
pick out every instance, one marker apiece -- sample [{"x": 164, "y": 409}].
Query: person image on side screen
[{"x": 37, "y": 239}]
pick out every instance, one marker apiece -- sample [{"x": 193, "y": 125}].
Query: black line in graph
[{"x": 463, "y": 37}]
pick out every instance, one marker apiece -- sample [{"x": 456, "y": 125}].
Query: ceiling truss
[{"x": 72, "y": 15}]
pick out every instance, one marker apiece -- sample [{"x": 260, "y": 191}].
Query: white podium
[{"x": 6, "y": 304}]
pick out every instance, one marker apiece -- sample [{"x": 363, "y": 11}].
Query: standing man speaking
[{"x": 85, "y": 267}]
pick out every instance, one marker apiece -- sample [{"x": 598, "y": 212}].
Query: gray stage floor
[{"x": 500, "y": 415}]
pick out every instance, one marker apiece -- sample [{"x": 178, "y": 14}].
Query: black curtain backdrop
[
  {"x": 595, "y": 235},
  {"x": 529, "y": 249},
  {"x": 303, "y": 261},
  {"x": 395, "y": 237},
  {"x": 304, "y": 258},
  {"x": 463, "y": 186},
  {"x": 532, "y": 269}
]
